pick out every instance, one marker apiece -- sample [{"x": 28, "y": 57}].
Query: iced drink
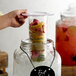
[{"x": 66, "y": 42}]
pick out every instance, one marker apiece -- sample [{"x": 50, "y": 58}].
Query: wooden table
[
  {"x": 5, "y": 74},
  {"x": 68, "y": 70},
  {"x": 3, "y": 63}
]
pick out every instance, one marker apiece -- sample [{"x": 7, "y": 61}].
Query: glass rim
[
  {"x": 28, "y": 42},
  {"x": 37, "y": 14}
]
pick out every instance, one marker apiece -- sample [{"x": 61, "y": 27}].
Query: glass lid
[
  {"x": 37, "y": 14},
  {"x": 70, "y": 12}
]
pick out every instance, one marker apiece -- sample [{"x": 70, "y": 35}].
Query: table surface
[{"x": 68, "y": 70}]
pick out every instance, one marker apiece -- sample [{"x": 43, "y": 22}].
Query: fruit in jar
[
  {"x": 66, "y": 44},
  {"x": 64, "y": 29},
  {"x": 36, "y": 31},
  {"x": 60, "y": 34},
  {"x": 37, "y": 27},
  {"x": 37, "y": 56},
  {"x": 37, "y": 35},
  {"x": 72, "y": 30},
  {"x": 35, "y": 22}
]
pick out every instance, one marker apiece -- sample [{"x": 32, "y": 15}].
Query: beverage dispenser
[
  {"x": 65, "y": 36},
  {"x": 36, "y": 55}
]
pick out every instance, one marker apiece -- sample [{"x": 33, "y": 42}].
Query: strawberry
[
  {"x": 38, "y": 29},
  {"x": 64, "y": 29},
  {"x": 67, "y": 38},
  {"x": 43, "y": 28},
  {"x": 36, "y": 22},
  {"x": 31, "y": 24}
]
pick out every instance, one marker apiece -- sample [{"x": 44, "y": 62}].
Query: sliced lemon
[
  {"x": 72, "y": 30},
  {"x": 35, "y": 37},
  {"x": 37, "y": 26}
]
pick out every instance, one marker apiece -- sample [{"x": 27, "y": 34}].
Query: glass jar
[
  {"x": 46, "y": 62},
  {"x": 37, "y": 27},
  {"x": 66, "y": 36}
]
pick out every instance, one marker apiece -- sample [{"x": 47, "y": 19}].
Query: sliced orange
[{"x": 72, "y": 30}]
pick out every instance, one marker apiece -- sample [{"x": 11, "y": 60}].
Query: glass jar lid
[
  {"x": 37, "y": 14},
  {"x": 70, "y": 12}
]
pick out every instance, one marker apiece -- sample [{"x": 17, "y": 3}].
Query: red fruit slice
[
  {"x": 43, "y": 28},
  {"x": 66, "y": 38},
  {"x": 60, "y": 34},
  {"x": 64, "y": 29},
  {"x": 34, "y": 53},
  {"x": 31, "y": 24},
  {"x": 36, "y": 22},
  {"x": 38, "y": 29}
]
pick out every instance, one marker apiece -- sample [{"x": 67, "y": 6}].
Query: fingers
[
  {"x": 17, "y": 19},
  {"x": 22, "y": 17},
  {"x": 23, "y": 12},
  {"x": 20, "y": 20}
]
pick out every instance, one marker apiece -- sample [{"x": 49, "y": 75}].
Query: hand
[{"x": 16, "y": 18}]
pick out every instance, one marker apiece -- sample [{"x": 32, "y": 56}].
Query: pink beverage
[{"x": 66, "y": 40}]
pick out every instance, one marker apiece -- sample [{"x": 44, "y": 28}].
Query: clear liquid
[{"x": 23, "y": 67}]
